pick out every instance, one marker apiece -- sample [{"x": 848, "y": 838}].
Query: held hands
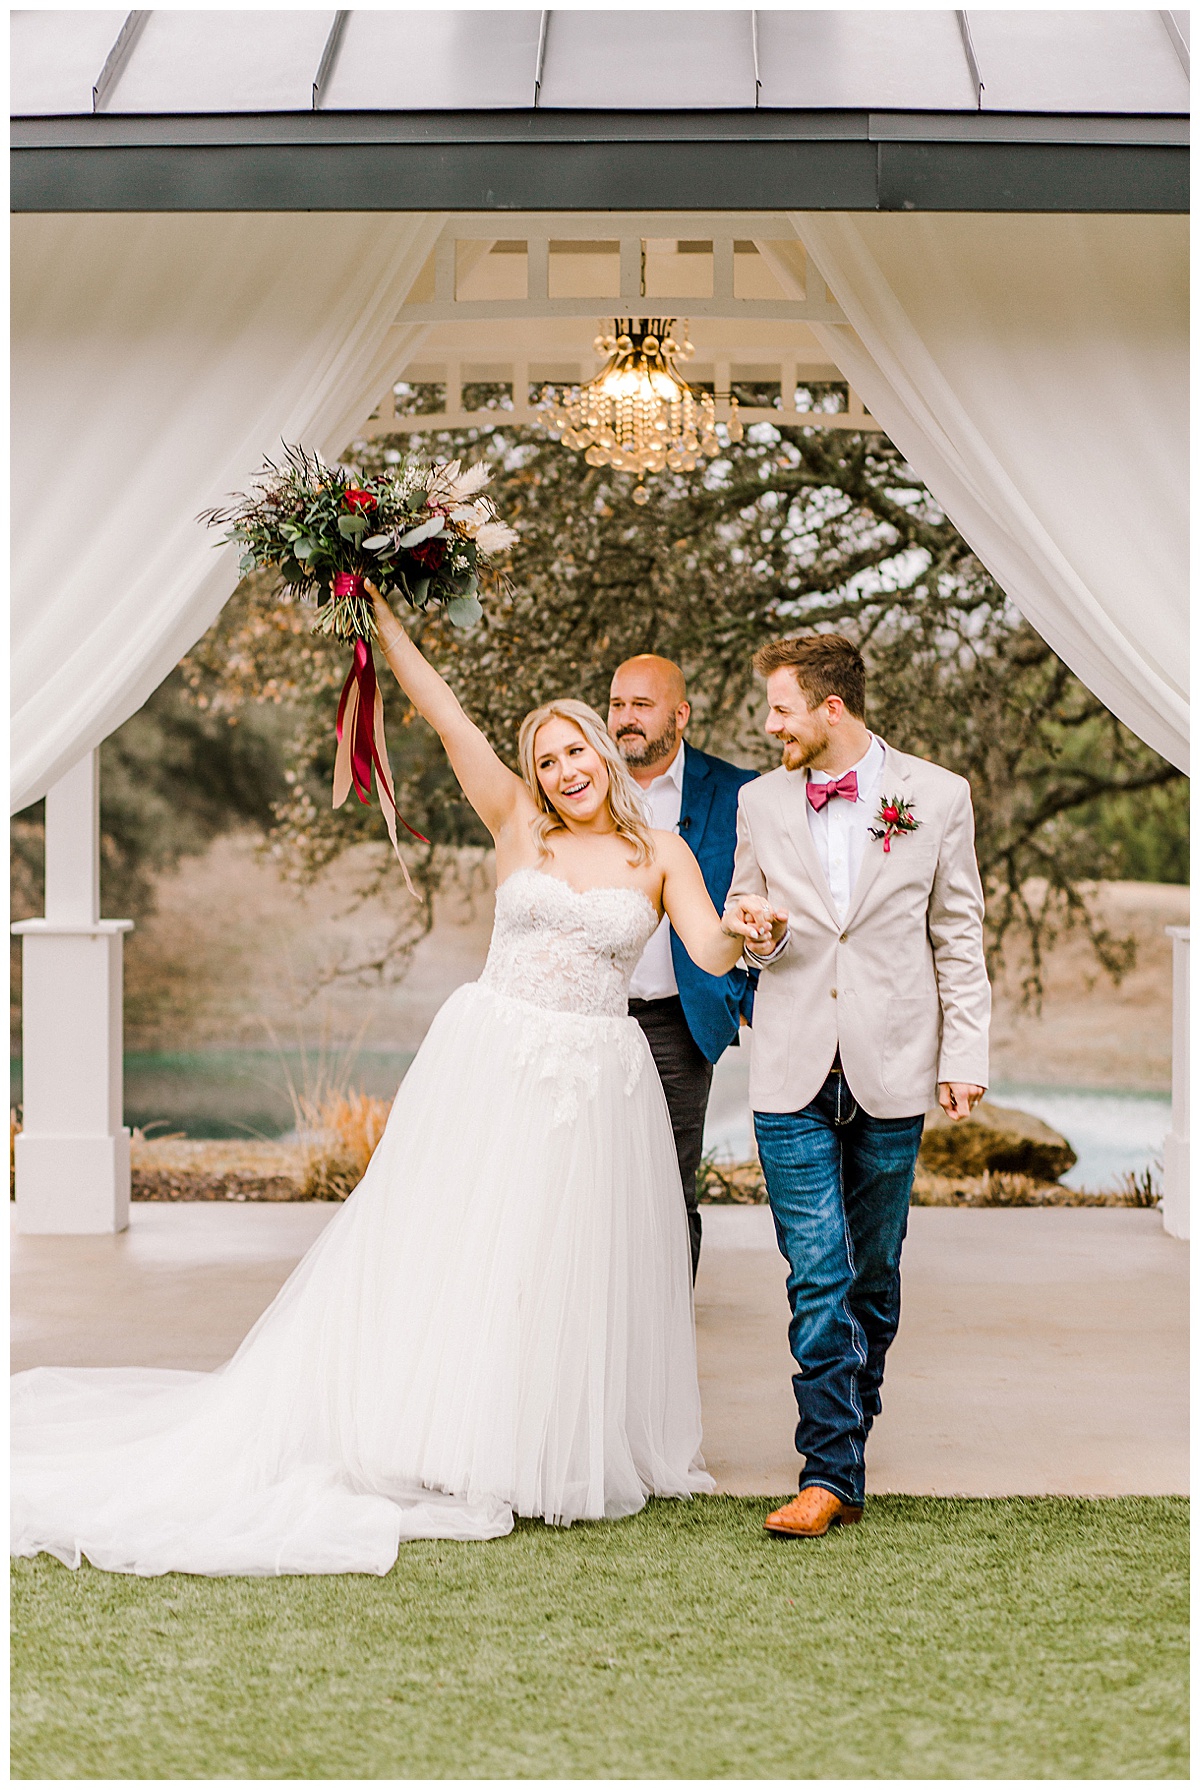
[
  {"x": 958, "y": 1097},
  {"x": 756, "y": 921}
]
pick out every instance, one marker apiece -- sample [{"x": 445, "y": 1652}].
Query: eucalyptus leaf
[
  {"x": 349, "y": 526},
  {"x": 464, "y": 612},
  {"x": 425, "y": 532},
  {"x": 247, "y": 563},
  {"x": 420, "y": 589},
  {"x": 376, "y": 543},
  {"x": 304, "y": 549}
]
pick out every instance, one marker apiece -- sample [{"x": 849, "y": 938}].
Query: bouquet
[{"x": 423, "y": 532}]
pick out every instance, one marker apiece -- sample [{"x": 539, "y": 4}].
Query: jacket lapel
[
  {"x": 696, "y": 797},
  {"x": 893, "y": 782},
  {"x": 793, "y": 803}
]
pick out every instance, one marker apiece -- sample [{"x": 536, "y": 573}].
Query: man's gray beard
[{"x": 643, "y": 753}]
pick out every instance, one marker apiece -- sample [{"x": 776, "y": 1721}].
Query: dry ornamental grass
[
  {"x": 344, "y": 1130},
  {"x": 327, "y": 1158}
]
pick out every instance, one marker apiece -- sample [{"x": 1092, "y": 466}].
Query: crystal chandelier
[{"x": 639, "y": 414}]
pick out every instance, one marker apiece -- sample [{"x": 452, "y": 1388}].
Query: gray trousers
[{"x": 686, "y": 1076}]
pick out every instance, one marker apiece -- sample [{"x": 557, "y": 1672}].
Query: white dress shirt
[
  {"x": 841, "y": 830},
  {"x": 662, "y": 802}
]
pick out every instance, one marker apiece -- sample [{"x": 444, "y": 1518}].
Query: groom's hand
[{"x": 958, "y": 1097}]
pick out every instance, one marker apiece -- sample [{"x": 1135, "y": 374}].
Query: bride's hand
[{"x": 383, "y": 616}]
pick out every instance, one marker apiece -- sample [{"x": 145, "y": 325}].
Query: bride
[{"x": 499, "y": 1318}]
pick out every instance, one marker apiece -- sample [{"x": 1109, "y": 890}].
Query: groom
[{"x": 873, "y": 996}]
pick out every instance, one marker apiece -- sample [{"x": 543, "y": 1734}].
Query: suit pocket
[{"x": 910, "y": 1042}]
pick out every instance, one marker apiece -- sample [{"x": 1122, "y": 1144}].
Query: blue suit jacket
[{"x": 712, "y": 1005}]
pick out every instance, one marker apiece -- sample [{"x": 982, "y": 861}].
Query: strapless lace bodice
[{"x": 564, "y": 949}]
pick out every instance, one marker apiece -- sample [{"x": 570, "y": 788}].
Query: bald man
[{"x": 689, "y": 1017}]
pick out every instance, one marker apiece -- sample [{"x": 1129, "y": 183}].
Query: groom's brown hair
[{"x": 823, "y": 665}]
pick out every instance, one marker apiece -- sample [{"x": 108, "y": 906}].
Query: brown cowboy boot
[{"x": 813, "y": 1513}]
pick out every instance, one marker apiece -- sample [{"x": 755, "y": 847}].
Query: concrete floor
[{"x": 1040, "y": 1351}]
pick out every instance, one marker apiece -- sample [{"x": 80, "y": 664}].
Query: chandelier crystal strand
[{"x": 639, "y": 414}]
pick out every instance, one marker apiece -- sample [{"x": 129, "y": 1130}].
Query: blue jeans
[{"x": 839, "y": 1183}]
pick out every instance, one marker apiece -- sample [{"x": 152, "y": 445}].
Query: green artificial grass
[{"x": 944, "y": 1638}]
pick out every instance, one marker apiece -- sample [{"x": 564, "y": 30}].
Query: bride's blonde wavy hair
[{"x": 623, "y": 802}]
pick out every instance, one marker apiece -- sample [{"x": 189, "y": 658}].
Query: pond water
[
  {"x": 1112, "y": 1133},
  {"x": 249, "y": 1093},
  {"x": 240, "y": 1093}
]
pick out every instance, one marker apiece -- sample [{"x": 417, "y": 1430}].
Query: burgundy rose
[
  {"x": 360, "y": 500},
  {"x": 430, "y": 554}
]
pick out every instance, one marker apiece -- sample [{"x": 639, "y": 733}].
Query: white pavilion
[{"x": 967, "y": 229}]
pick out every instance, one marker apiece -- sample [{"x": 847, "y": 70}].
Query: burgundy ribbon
[
  {"x": 362, "y": 673},
  {"x": 360, "y": 735},
  {"x": 364, "y": 748}
]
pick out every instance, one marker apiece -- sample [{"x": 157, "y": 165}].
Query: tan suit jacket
[{"x": 899, "y": 986}]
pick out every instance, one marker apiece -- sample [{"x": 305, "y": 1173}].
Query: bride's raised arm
[{"x": 496, "y": 795}]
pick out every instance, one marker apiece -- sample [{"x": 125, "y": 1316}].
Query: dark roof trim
[
  {"x": 573, "y": 161},
  {"x": 247, "y": 128}
]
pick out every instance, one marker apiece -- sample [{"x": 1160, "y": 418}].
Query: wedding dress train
[{"x": 497, "y": 1321}]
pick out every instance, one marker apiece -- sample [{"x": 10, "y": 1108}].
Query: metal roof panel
[
  {"x": 56, "y": 58},
  {"x": 877, "y": 59},
  {"x": 654, "y": 61},
  {"x": 1078, "y": 62},
  {"x": 435, "y": 61},
  {"x": 223, "y": 62}
]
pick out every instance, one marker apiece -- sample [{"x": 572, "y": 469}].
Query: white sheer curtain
[
  {"x": 155, "y": 360},
  {"x": 1034, "y": 371}
]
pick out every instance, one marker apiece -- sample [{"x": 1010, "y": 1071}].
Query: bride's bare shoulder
[{"x": 669, "y": 849}]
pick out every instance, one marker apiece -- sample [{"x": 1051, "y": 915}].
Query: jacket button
[
  {"x": 843, "y": 938},
  {"x": 833, "y": 993}
]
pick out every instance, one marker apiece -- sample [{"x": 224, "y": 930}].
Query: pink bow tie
[{"x": 846, "y": 787}]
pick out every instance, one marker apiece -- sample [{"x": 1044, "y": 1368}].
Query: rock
[{"x": 995, "y": 1138}]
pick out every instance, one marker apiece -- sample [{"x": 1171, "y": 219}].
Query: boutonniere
[{"x": 896, "y": 816}]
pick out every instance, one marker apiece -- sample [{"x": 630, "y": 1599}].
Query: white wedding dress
[{"x": 498, "y": 1320}]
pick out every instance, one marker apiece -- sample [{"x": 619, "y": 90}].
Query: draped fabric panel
[
  {"x": 156, "y": 359},
  {"x": 1034, "y": 372}
]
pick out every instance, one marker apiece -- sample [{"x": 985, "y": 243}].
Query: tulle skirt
[{"x": 498, "y": 1321}]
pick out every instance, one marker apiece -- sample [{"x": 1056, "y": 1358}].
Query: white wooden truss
[{"x": 483, "y": 298}]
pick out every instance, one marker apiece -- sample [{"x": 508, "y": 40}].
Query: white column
[
  {"x": 1176, "y": 1205},
  {"x": 72, "y": 1155}
]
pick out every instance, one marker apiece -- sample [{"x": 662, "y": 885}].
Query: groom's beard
[
  {"x": 637, "y": 750},
  {"x": 797, "y": 756}
]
